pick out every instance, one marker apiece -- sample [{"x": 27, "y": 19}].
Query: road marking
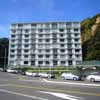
[
  {"x": 20, "y": 94},
  {"x": 63, "y": 96},
  {"x": 56, "y": 90},
  {"x": 82, "y": 84}
]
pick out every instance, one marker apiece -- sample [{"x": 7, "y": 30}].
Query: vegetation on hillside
[{"x": 91, "y": 38}]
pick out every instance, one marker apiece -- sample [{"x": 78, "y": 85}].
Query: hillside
[{"x": 90, "y": 28}]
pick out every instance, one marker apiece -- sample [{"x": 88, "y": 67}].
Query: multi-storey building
[{"x": 45, "y": 44}]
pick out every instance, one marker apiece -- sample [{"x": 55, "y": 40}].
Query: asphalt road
[{"x": 17, "y": 87}]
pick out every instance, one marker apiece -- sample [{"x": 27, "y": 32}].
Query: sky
[{"x": 12, "y": 11}]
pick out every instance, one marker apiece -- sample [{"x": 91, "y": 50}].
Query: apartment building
[{"x": 45, "y": 44}]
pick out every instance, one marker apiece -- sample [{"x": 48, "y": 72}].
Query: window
[
  {"x": 62, "y": 40},
  {"x": 70, "y": 56},
  {"x": 26, "y": 40},
  {"x": 47, "y": 56},
  {"x": 68, "y": 29},
  {"x": 77, "y": 50},
  {"x": 55, "y": 62},
  {"x": 62, "y": 45},
  {"x": 13, "y": 31},
  {"x": 25, "y": 62},
  {"x": 40, "y": 50},
  {"x": 32, "y": 62},
  {"x": 33, "y": 55},
  {"x": 26, "y": 45},
  {"x": 47, "y": 62},
  {"x": 33, "y": 25},
  {"x": 26, "y": 35},
  {"x": 25, "y": 56},
  {"x": 76, "y": 34},
  {"x": 40, "y": 62},
  {"x": 12, "y": 56},
  {"x": 77, "y": 56},
  {"x": 40, "y": 56},
  {"x": 12, "y": 46},
  {"x": 40, "y": 30},
  {"x": 76, "y": 40},
  {"x": 13, "y": 36},
  {"x": 55, "y": 56},
  {"x": 11, "y": 62},
  {"x": 12, "y": 51},
  {"x": 61, "y": 35},
  {"x": 26, "y": 51},
  {"x": 47, "y": 50},
  {"x": 47, "y": 25},
  {"x": 40, "y": 35},
  {"x": 62, "y": 50},
  {"x": 62, "y": 56},
  {"x": 63, "y": 62},
  {"x": 54, "y": 50},
  {"x": 70, "y": 62},
  {"x": 76, "y": 29},
  {"x": 20, "y": 25},
  {"x": 47, "y": 40},
  {"x": 61, "y": 30},
  {"x": 54, "y": 25},
  {"x": 40, "y": 40},
  {"x": 26, "y": 30}
]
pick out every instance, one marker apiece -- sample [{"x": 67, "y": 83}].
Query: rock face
[
  {"x": 91, "y": 38},
  {"x": 95, "y": 26}
]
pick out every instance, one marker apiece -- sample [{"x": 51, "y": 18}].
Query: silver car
[{"x": 69, "y": 76}]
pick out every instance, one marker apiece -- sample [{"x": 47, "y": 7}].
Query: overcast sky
[{"x": 44, "y": 10}]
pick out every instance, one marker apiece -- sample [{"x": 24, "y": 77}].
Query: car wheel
[
  {"x": 92, "y": 80},
  {"x": 63, "y": 78},
  {"x": 74, "y": 78}
]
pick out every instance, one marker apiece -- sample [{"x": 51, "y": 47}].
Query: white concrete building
[{"x": 45, "y": 44}]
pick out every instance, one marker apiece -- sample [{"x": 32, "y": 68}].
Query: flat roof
[{"x": 45, "y": 22}]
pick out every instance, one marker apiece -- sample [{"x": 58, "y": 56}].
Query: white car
[
  {"x": 28, "y": 73},
  {"x": 12, "y": 71},
  {"x": 93, "y": 77},
  {"x": 45, "y": 75},
  {"x": 69, "y": 76}
]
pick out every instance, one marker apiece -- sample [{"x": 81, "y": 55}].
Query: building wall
[{"x": 45, "y": 44}]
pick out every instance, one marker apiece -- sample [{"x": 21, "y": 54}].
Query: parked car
[
  {"x": 28, "y": 73},
  {"x": 69, "y": 76},
  {"x": 93, "y": 77},
  {"x": 35, "y": 74},
  {"x": 12, "y": 71},
  {"x": 45, "y": 75}
]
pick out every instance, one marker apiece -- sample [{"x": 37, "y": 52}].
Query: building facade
[{"x": 45, "y": 44}]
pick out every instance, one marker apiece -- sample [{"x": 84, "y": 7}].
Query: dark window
[
  {"x": 75, "y": 29},
  {"x": 47, "y": 62},
  {"x": 13, "y": 36},
  {"x": 47, "y": 56},
  {"x": 40, "y": 62},
  {"x": 62, "y": 50},
  {"x": 63, "y": 62},
  {"x": 40, "y": 56},
  {"x": 61, "y": 40},
  {"x": 26, "y": 56},
  {"x": 25, "y": 62},
  {"x": 70, "y": 62},
  {"x": 61, "y": 30}
]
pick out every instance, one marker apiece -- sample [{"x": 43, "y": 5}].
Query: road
[{"x": 17, "y": 87}]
